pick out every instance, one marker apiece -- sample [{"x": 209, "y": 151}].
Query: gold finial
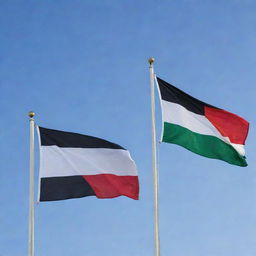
[
  {"x": 31, "y": 114},
  {"x": 151, "y": 60}
]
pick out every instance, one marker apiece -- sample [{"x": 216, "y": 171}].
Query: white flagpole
[
  {"x": 31, "y": 185},
  {"x": 154, "y": 159}
]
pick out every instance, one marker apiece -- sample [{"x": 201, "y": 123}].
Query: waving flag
[
  {"x": 74, "y": 165},
  {"x": 202, "y": 128}
]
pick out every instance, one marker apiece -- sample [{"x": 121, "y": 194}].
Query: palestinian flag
[
  {"x": 74, "y": 165},
  {"x": 201, "y": 128}
]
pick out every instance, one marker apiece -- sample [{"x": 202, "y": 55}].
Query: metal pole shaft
[
  {"x": 31, "y": 187},
  {"x": 154, "y": 160}
]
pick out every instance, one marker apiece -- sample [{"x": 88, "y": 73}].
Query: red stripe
[
  {"x": 110, "y": 185},
  {"x": 229, "y": 125}
]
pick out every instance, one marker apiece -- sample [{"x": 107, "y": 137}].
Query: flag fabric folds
[
  {"x": 201, "y": 128},
  {"x": 74, "y": 165}
]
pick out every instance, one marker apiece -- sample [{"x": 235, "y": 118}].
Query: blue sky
[{"x": 81, "y": 65}]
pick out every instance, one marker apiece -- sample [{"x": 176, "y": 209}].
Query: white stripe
[
  {"x": 59, "y": 161},
  {"x": 239, "y": 148},
  {"x": 177, "y": 114}
]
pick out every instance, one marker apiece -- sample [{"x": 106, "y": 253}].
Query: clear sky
[{"x": 81, "y": 65}]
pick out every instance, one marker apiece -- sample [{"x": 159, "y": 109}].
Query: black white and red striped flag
[{"x": 74, "y": 165}]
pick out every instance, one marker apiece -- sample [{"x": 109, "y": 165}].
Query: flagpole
[
  {"x": 154, "y": 159},
  {"x": 31, "y": 185}
]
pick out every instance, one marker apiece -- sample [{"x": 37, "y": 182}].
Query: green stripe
[{"x": 205, "y": 145}]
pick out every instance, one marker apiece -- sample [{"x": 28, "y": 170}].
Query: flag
[
  {"x": 74, "y": 165},
  {"x": 200, "y": 127}
]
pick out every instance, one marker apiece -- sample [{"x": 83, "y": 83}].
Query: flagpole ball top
[
  {"x": 151, "y": 60},
  {"x": 31, "y": 114}
]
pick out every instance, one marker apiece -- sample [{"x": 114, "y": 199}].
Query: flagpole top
[
  {"x": 151, "y": 60},
  {"x": 31, "y": 114}
]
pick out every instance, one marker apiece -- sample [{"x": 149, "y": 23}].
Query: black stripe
[
  {"x": 172, "y": 94},
  {"x": 61, "y": 188},
  {"x": 51, "y": 137}
]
